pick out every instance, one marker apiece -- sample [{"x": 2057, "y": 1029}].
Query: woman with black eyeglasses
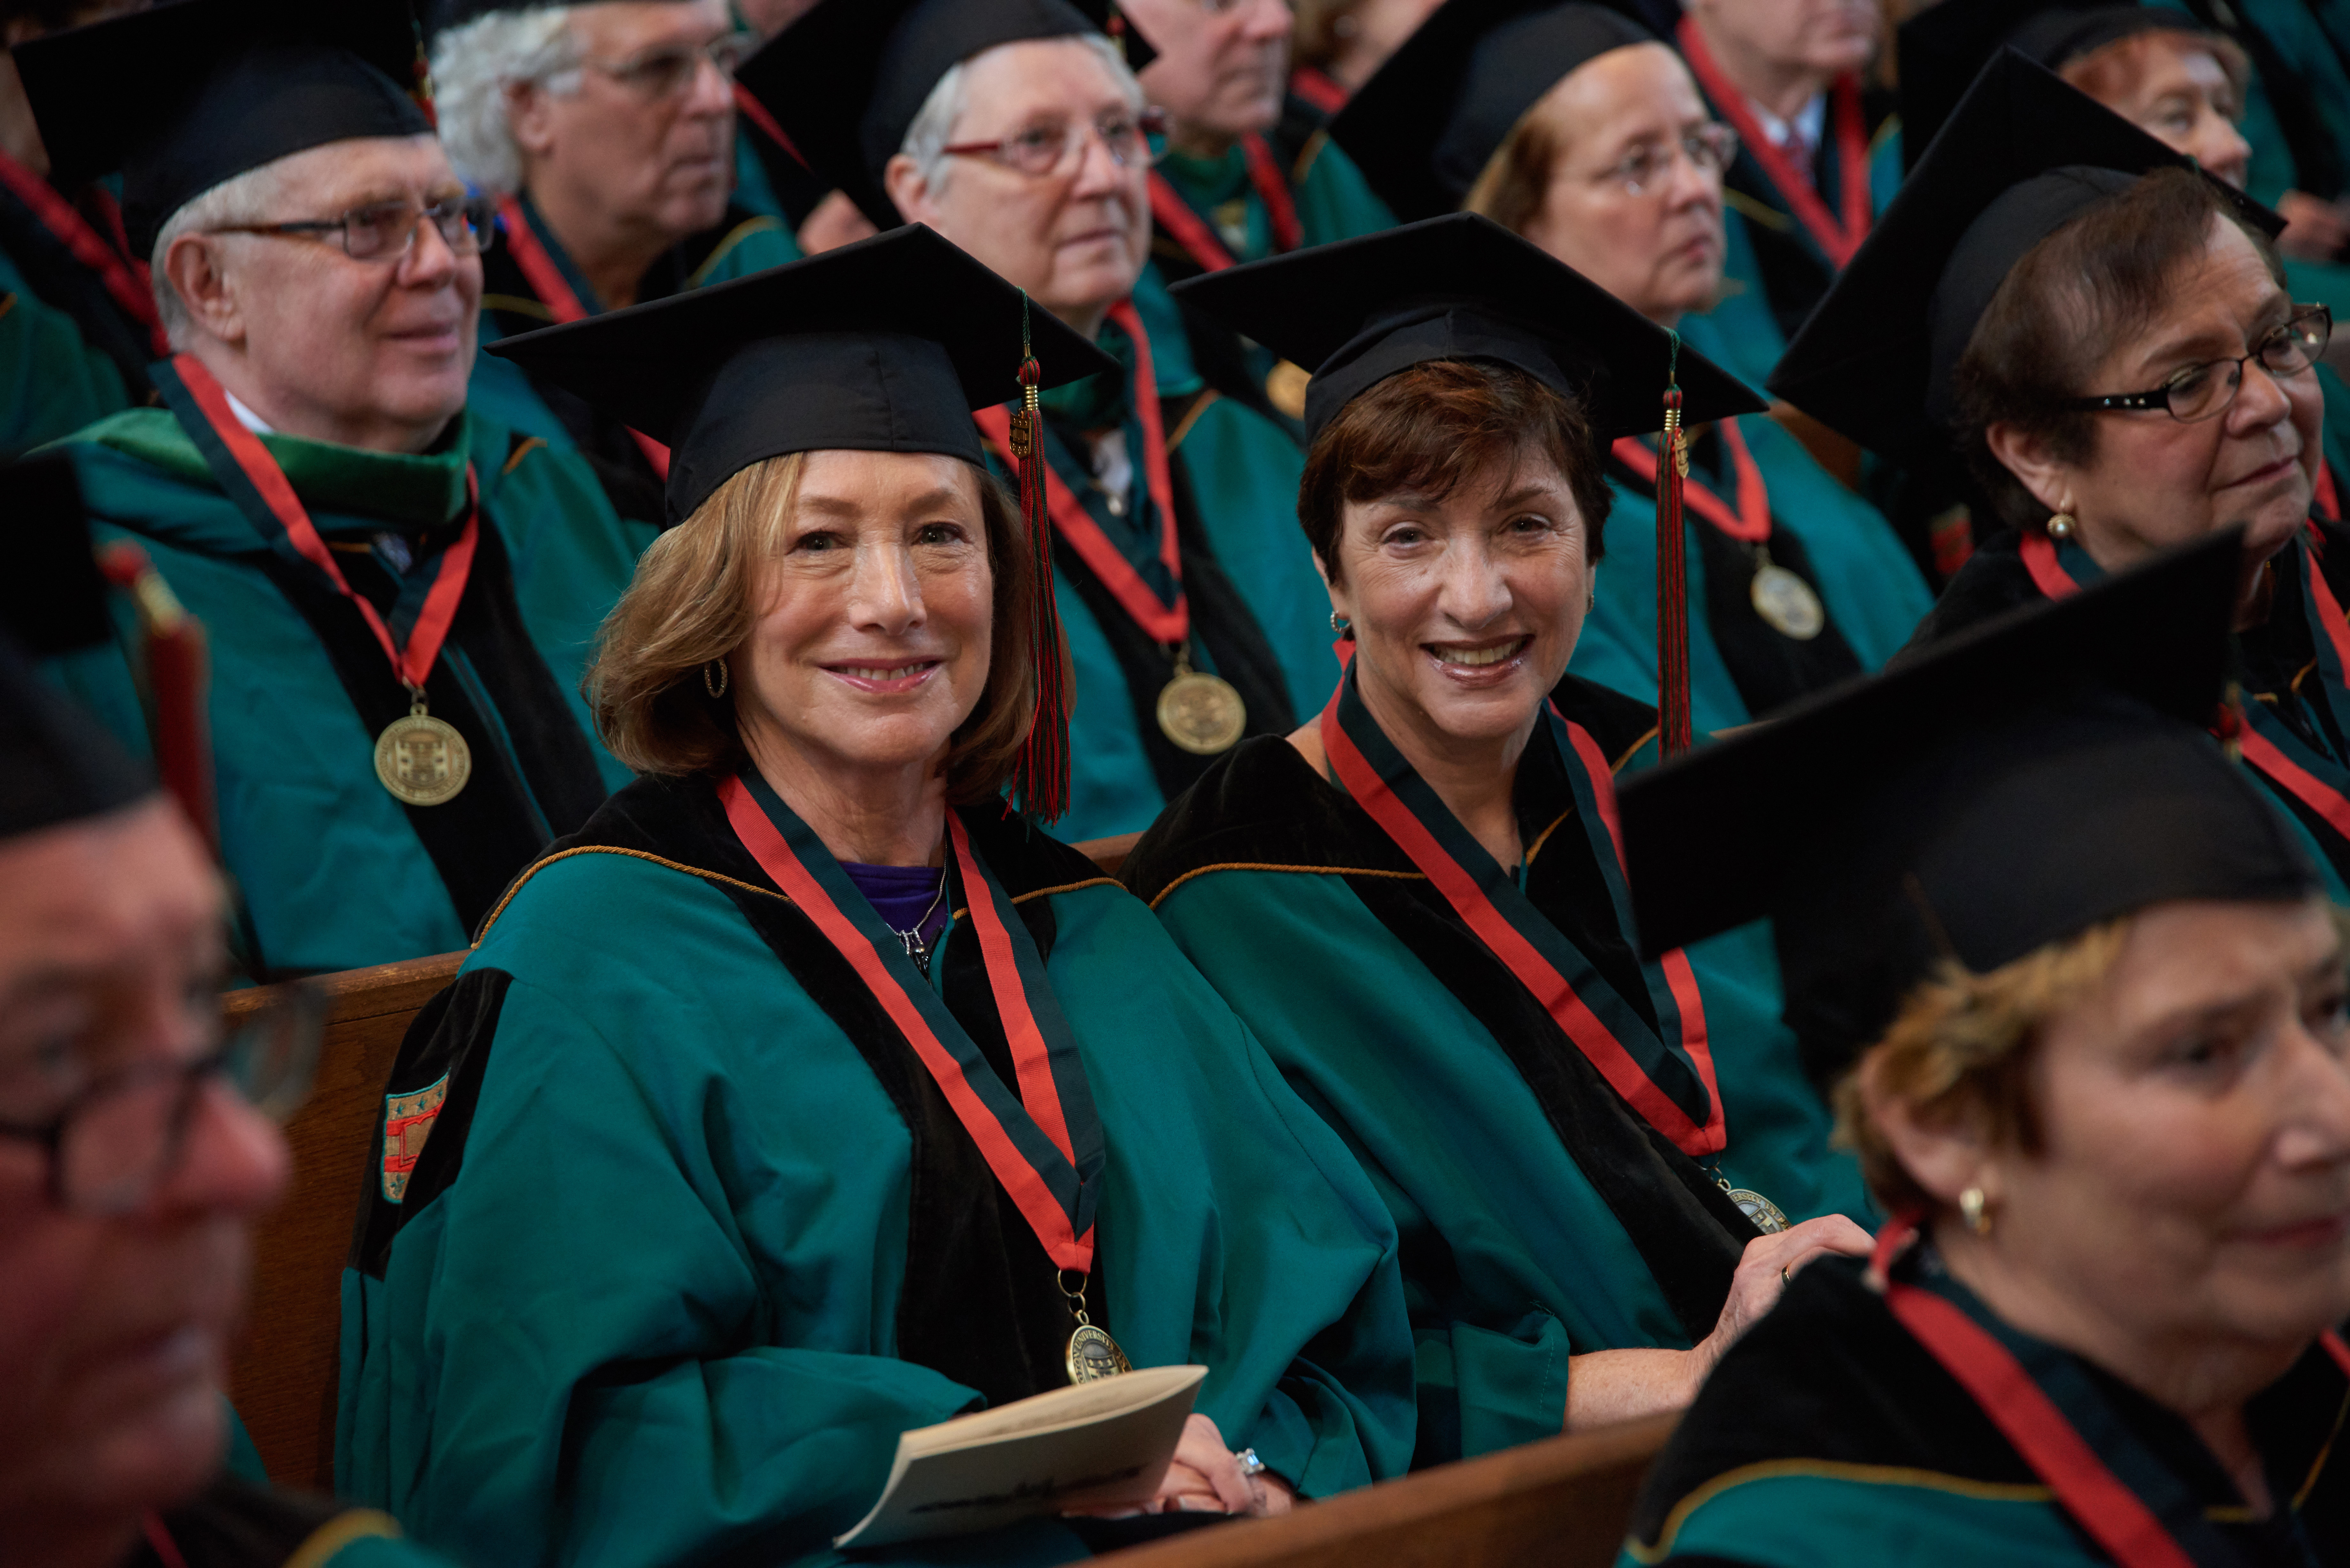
[{"x": 2104, "y": 333}]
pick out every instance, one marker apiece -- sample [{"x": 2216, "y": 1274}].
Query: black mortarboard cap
[
  {"x": 2024, "y": 781},
  {"x": 886, "y": 345},
  {"x": 2023, "y": 155},
  {"x": 189, "y": 94},
  {"x": 1461, "y": 287},
  {"x": 57, "y": 764},
  {"x": 847, "y": 80},
  {"x": 1425, "y": 126},
  {"x": 442, "y": 15},
  {"x": 53, "y": 596},
  {"x": 1943, "y": 48}
]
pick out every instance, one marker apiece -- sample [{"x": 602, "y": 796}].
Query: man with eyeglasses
[
  {"x": 606, "y": 132},
  {"x": 76, "y": 328},
  {"x": 400, "y": 592},
  {"x": 1015, "y": 128},
  {"x": 135, "y": 1154}
]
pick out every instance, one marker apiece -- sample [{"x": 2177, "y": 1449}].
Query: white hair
[
  {"x": 474, "y": 64},
  {"x": 251, "y": 197},
  {"x": 933, "y": 127}
]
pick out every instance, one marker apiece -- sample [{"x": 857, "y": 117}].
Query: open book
[{"x": 1090, "y": 1446}]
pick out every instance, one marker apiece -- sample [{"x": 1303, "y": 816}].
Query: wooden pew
[
  {"x": 1565, "y": 1503},
  {"x": 283, "y": 1377},
  {"x": 284, "y": 1374}
]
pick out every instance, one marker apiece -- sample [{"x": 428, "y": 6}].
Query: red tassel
[
  {"x": 176, "y": 672},
  {"x": 1673, "y": 727},
  {"x": 1040, "y": 780}
]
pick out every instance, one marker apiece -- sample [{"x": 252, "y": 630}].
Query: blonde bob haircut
[
  {"x": 1960, "y": 1053},
  {"x": 695, "y": 599}
]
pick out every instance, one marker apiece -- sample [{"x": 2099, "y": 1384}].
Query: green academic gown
[
  {"x": 742, "y": 242},
  {"x": 1830, "y": 1435},
  {"x": 694, "y": 1236},
  {"x": 69, "y": 352},
  {"x": 1741, "y": 668},
  {"x": 1540, "y": 1217},
  {"x": 331, "y": 871},
  {"x": 1260, "y": 618}
]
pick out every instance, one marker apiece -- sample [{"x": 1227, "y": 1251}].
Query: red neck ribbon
[
  {"x": 2264, "y": 750},
  {"x": 119, "y": 273},
  {"x": 2104, "y": 1506},
  {"x": 1749, "y": 522},
  {"x": 1838, "y": 237},
  {"x": 159, "y": 1538},
  {"x": 1027, "y": 1143},
  {"x": 1319, "y": 89},
  {"x": 747, "y": 104},
  {"x": 1166, "y": 623},
  {"x": 1198, "y": 236},
  {"x": 548, "y": 282},
  {"x": 412, "y": 662},
  {"x": 1675, "y": 1094}
]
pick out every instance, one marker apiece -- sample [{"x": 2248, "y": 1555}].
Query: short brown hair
[
  {"x": 1516, "y": 180},
  {"x": 2100, "y": 277},
  {"x": 1961, "y": 1050},
  {"x": 690, "y": 602},
  {"x": 1426, "y": 430},
  {"x": 2114, "y": 72}
]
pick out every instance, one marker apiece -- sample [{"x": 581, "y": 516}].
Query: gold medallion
[
  {"x": 1786, "y": 603},
  {"x": 1766, "y": 1215},
  {"x": 1094, "y": 1355},
  {"x": 422, "y": 760},
  {"x": 1200, "y": 713}
]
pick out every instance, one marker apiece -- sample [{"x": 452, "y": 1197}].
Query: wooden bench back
[
  {"x": 1565, "y": 1503},
  {"x": 283, "y": 1377}
]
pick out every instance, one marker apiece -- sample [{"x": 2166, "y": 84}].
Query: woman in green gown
[
  {"x": 807, "y": 1095},
  {"x": 1416, "y": 902},
  {"x": 2097, "y": 1003},
  {"x": 2178, "y": 397}
]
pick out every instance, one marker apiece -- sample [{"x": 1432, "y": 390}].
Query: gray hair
[
  {"x": 933, "y": 127},
  {"x": 247, "y": 198},
  {"x": 474, "y": 64}
]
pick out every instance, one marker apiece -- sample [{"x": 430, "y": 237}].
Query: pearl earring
[
  {"x": 2061, "y": 526},
  {"x": 1975, "y": 1208}
]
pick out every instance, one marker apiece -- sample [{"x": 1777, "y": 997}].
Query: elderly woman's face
[
  {"x": 1076, "y": 238},
  {"x": 2179, "y": 93},
  {"x": 2152, "y": 482},
  {"x": 2194, "y": 1177},
  {"x": 872, "y": 641},
  {"x": 1626, "y": 205},
  {"x": 1466, "y": 608}
]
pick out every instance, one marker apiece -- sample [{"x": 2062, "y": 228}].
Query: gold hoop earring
[
  {"x": 717, "y": 687},
  {"x": 2061, "y": 526},
  {"x": 1975, "y": 1208}
]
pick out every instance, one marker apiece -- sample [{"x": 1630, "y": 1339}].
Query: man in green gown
[
  {"x": 400, "y": 592},
  {"x": 125, "y": 1252},
  {"x": 1177, "y": 549},
  {"x": 75, "y": 327},
  {"x": 607, "y": 130}
]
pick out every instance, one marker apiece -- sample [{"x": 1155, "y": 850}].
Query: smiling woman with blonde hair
[{"x": 810, "y": 1093}]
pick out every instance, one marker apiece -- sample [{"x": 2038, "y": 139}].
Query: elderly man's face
[
  {"x": 369, "y": 353},
  {"x": 1828, "y": 36},
  {"x": 652, "y": 159},
  {"x": 1076, "y": 238},
  {"x": 1222, "y": 65},
  {"x": 114, "y": 1330}
]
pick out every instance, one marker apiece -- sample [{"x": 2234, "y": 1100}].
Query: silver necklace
[{"x": 916, "y": 949}]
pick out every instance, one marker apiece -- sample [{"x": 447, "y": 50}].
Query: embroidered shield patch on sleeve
[{"x": 406, "y": 1122}]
